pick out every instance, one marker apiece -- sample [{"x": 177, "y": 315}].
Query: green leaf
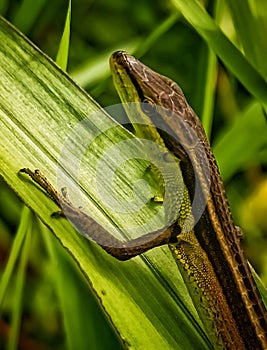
[
  {"x": 16, "y": 247},
  {"x": 20, "y": 281},
  {"x": 63, "y": 51},
  {"x": 145, "y": 298},
  {"x": 250, "y": 23},
  {"x": 237, "y": 146},
  {"x": 201, "y": 21}
]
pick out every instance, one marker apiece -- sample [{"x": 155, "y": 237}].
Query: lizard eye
[{"x": 148, "y": 106}]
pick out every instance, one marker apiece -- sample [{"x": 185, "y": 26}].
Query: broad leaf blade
[{"x": 145, "y": 298}]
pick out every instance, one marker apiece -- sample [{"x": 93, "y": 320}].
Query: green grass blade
[
  {"x": 207, "y": 80},
  {"x": 151, "y": 40},
  {"x": 207, "y": 96},
  {"x": 16, "y": 247},
  {"x": 239, "y": 142},
  {"x": 260, "y": 285},
  {"x": 20, "y": 281},
  {"x": 196, "y": 15},
  {"x": 96, "y": 69},
  {"x": 63, "y": 51},
  {"x": 250, "y": 23}
]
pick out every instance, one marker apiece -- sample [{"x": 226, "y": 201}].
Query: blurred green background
[{"x": 160, "y": 36}]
